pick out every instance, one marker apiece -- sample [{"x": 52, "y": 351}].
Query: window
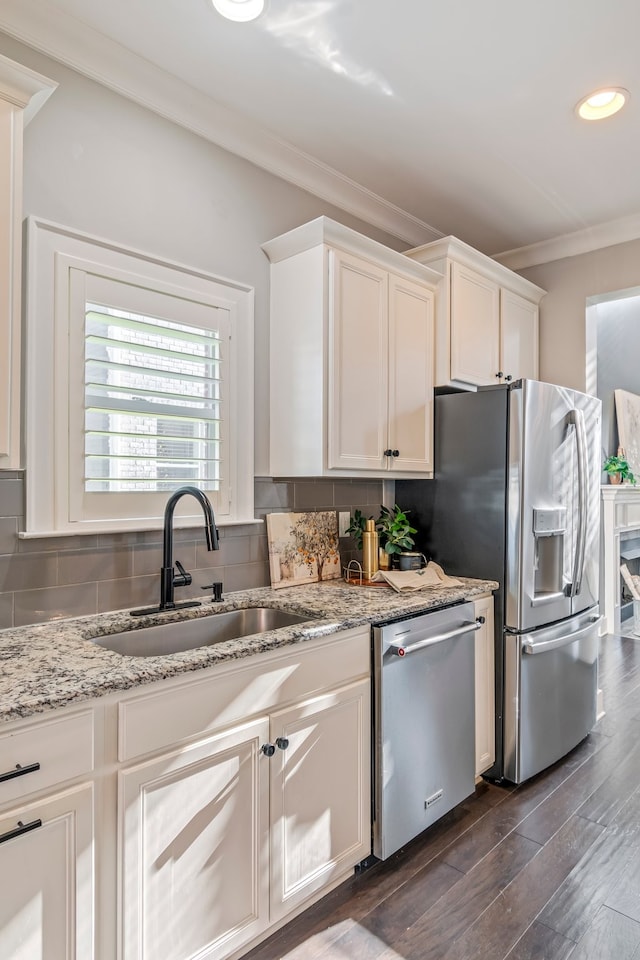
[
  {"x": 133, "y": 387},
  {"x": 152, "y": 402}
]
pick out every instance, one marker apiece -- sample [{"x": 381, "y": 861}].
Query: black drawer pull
[
  {"x": 19, "y": 771},
  {"x": 21, "y": 828}
]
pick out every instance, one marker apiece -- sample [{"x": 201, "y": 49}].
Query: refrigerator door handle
[
  {"x": 576, "y": 417},
  {"x": 545, "y": 645}
]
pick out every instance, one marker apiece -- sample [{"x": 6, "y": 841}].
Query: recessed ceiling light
[
  {"x": 240, "y": 10},
  {"x": 602, "y": 103}
]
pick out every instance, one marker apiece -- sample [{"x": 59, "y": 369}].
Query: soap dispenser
[{"x": 369, "y": 550}]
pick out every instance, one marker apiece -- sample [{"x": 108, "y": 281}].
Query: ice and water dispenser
[{"x": 549, "y": 529}]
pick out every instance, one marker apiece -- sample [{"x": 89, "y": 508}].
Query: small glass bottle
[{"x": 369, "y": 550}]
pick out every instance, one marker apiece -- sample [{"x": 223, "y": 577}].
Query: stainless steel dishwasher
[{"x": 424, "y": 722}]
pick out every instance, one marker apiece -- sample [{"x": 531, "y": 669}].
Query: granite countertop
[{"x": 55, "y": 664}]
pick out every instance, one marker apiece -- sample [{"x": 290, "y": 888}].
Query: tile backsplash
[{"x": 71, "y": 576}]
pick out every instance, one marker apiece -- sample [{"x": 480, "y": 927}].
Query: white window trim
[{"x": 51, "y": 250}]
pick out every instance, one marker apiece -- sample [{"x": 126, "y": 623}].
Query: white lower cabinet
[
  {"x": 193, "y": 835},
  {"x": 485, "y": 686},
  {"x": 320, "y": 796},
  {"x": 263, "y": 805},
  {"x": 47, "y": 870},
  {"x": 47, "y": 839}
]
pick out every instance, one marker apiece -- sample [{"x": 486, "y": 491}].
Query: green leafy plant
[
  {"x": 394, "y": 530},
  {"x": 357, "y": 527},
  {"x": 618, "y": 464}
]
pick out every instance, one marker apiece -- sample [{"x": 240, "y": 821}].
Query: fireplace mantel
[{"x": 620, "y": 515}]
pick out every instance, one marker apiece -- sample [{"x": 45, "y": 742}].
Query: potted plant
[
  {"x": 357, "y": 527},
  {"x": 618, "y": 470},
  {"x": 395, "y": 532}
]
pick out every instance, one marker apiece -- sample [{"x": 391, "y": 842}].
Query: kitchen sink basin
[{"x": 165, "y": 638}]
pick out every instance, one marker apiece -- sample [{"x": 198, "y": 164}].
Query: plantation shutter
[{"x": 154, "y": 402}]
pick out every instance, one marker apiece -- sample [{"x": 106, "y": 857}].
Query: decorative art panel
[
  {"x": 303, "y": 547},
  {"x": 628, "y": 417}
]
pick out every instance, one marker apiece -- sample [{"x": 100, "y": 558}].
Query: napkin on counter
[{"x": 406, "y": 581}]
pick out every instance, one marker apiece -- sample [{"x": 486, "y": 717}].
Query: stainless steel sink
[{"x": 166, "y": 638}]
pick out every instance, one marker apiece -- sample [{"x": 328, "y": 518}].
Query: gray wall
[
  {"x": 566, "y": 355},
  {"x": 617, "y": 332},
  {"x": 99, "y": 163}
]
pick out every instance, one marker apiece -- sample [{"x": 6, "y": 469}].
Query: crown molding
[
  {"x": 24, "y": 88},
  {"x": 573, "y": 244},
  {"x": 322, "y": 230},
  {"x": 67, "y": 40},
  {"x": 451, "y": 248}
]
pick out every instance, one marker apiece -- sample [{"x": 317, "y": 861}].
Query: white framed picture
[
  {"x": 303, "y": 547},
  {"x": 628, "y": 418}
]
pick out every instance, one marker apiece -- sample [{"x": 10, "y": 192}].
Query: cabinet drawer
[
  {"x": 238, "y": 691},
  {"x": 49, "y": 752}
]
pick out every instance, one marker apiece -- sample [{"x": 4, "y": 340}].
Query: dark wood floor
[{"x": 545, "y": 871}]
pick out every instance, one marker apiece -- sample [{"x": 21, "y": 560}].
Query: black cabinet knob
[
  {"x": 282, "y": 743},
  {"x": 395, "y": 453},
  {"x": 500, "y": 374},
  {"x": 508, "y": 378},
  {"x": 268, "y": 749},
  {"x": 388, "y": 452}
]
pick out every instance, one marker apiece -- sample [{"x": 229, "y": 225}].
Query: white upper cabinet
[
  {"x": 475, "y": 326},
  {"x": 22, "y": 93},
  {"x": 352, "y": 352},
  {"x": 487, "y": 318},
  {"x": 518, "y": 336}
]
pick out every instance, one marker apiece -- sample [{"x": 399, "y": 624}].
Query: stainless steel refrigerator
[{"x": 516, "y": 499}]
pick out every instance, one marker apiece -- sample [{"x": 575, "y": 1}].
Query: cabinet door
[
  {"x": 518, "y": 336},
  {"x": 475, "y": 327},
  {"x": 47, "y": 902},
  {"x": 485, "y": 687},
  {"x": 193, "y": 844},
  {"x": 320, "y": 793},
  {"x": 411, "y": 359},
  {"x": 357, "y": 364}
]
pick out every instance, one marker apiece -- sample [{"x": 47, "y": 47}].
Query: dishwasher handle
[
  {"x": 546, "y": 645},
  {"x": 400, "y": 650}
]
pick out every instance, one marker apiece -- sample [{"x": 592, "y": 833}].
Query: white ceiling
[{"x": 459, "y": 113}]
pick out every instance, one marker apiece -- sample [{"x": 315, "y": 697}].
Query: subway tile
[
  {"x": 9, "y": 542},
  {"x": 147, "y": 558},
  {"x": 313, "y": 495},
  {"x": 57, "y": 544},
  {"x": 82, "y": 566},
  {"x": 22, "y": 572},
  {"x": 133, "y": 538},
  {"x": 273, "y": 494},
  {"x": 246, "y": 577},
  {"x": 259, "y": 549},
  {"x": 36, "y": 606},
  {"x": 128, "y": 593},
  {"x": 201, "y": 588},
  {"x": 241, "y": 530},
  {"x": 6, "y": 610},
  {"x": 73, "y": 576},
  {"x": 359, "y": 491},
  {"x": 234, "y": 551},
  {"x": 117, "y": 541},
  {"x": 11, "y": 498}
]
